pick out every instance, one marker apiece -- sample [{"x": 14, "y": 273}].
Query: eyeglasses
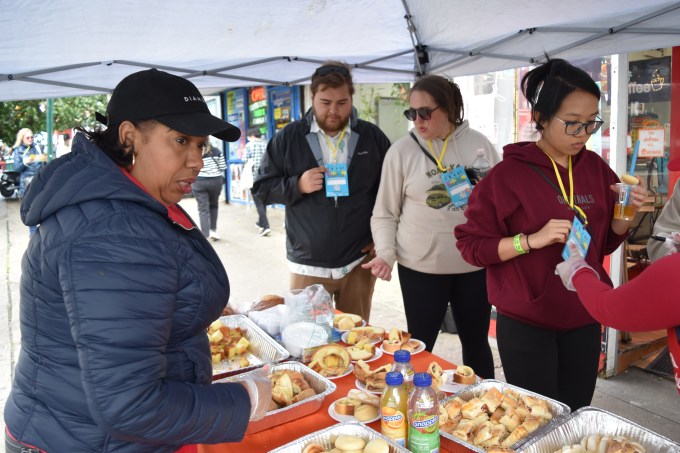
[
  {"x": 575, "y": 127},
  {"x": 425, "y": 113},
  {"x": 325, "y": 70}
]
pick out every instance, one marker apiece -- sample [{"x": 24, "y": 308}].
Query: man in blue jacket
[{"x": 326, "y": 169}]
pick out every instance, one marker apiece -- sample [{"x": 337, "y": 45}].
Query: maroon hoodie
[{"x": 514, "y": 199}]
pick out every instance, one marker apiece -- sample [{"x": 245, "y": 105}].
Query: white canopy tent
[{"x": 69, "y": 48}]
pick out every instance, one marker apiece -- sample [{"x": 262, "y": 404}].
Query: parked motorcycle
[{"x": 9, "y": 184}]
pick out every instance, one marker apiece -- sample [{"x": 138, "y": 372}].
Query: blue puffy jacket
[
  {"x": 28, "y": 160},
  {"x": 115, "y": 302}
]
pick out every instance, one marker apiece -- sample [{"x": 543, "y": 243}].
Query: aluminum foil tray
[
  {"x": 262, "y": 349},
  {"x": 590, "y": 420},
  {"x": 559, "y": 412},
  {"x": 322, "y": 386},
  {"x": 326, "y": 438}
]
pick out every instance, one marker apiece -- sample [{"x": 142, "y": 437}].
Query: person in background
[
  {"x": 648, "y": 302},
  {"x": 28, "y": 160},
  {"x": 118, "y": 288},
  {"x": 414, "y": 217},
  {"x": 255, "y": 151},
  {"x": 518, "y": 220},
  {"x": 325, "y": 168},
  {"x": 207, "y": 190},
  {"x": 64, "y": 145},
  {"x": 668, "y": 223}
]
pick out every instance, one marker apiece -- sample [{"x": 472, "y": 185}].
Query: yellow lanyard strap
[
  {"x": 441, "y": 156},
  {"x": 334, "y": 150},
  {"x": 570, "y": 199}
]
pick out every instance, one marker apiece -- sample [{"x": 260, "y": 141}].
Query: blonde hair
[{"x": 20, "y": 136}]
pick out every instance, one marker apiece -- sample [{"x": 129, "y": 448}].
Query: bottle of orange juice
[{"x": 393, "y": 408}]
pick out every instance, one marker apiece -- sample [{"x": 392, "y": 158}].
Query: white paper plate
[
  {"x": 349, "y": 370},
  {"x": 361, "y": 386},
  {"x": 449, "y": 386},
  {"x": 363, "y": 323},
  {"x": 420, "y": 348},
  {"x": 347, "y": 418},
  {"x": 344, "y": 338}
]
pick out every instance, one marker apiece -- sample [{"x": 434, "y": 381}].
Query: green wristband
[{"x": 518, "y": 245}]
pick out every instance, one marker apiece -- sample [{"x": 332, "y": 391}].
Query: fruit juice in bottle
[
  {"x": 402, "y": 364},
  {"x": 423, "y": 416},
  {"x": 393, "y": 405}
]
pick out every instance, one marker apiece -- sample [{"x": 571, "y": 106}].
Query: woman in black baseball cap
[{"x": 118, "y": 287}]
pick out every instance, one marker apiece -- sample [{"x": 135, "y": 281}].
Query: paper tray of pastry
[
  {"x": 262, "y": 348},
  {"x": 495, "y": 413},
  {"x": 593, "y": 424},
  {"x": 327, "y": 437},
  {"x": 322, "y": 387}
]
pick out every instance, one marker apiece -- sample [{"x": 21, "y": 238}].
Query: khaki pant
[{"x": 352, "y": 294}]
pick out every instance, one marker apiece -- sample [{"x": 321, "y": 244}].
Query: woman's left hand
[{"x": 379, "y": 268}]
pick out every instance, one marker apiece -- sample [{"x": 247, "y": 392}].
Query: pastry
[
  {"x": 370, "y": 333},
  {"x": 289, "y": 387},
  {"x": 349, "y": 443},
  {"x": 464, "y": 375},
  {"x": 346, "y": 406},
  {"x": 377, "y": 446},
  {"x": 437, "y": 372},
  {"x": 365, "y": 412},
  {"x": 363, "y": 350},
  {"x": 346, "y": 321},
  {"x": 266, "y": 302},
  {"x": 330, "y": 360},
  {"x": 313, "y": 448}
]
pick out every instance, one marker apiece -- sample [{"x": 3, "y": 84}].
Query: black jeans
[
  {"x": 207, "y": 193},
  {"x": 12, "y": 446},
  {"x": 561, "y": 365},
  {"x": 426, "y": 297},
  {"x": 262, "y": 222}
]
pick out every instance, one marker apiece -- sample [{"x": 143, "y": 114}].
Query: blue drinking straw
[{"x": 633, "y": 160}]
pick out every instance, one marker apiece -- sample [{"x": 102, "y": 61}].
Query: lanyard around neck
[
  {"x": 441, "y": 156},
  {"x": 334, "y": 150},
  {"x": 569, "y": 199}
]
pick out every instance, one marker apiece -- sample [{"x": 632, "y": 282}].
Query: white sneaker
[
  {"x": 265, "y": 232},
  {"x": 214, "y": 236}
]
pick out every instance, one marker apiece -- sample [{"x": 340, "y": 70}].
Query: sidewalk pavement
[{"x": 257, "y": 265}]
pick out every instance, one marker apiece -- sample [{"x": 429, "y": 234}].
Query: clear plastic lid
[{"x": 394, "y": 378}]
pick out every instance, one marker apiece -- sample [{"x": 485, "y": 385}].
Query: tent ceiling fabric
[{"x": 73, "y": 48}]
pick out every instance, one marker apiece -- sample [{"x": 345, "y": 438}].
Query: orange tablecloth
[{"x": 280, "y": 435}]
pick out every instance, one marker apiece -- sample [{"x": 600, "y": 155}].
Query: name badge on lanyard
[
  {"x": 337, "y": 184},
  {"x": 457, "y": 185}
]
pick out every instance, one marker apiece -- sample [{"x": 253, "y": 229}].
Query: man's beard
[{"x": 331, "y": 128}]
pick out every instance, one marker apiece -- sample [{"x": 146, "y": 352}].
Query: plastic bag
[{"x": 309, "y": 319}]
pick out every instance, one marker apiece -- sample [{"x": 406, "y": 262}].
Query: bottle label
[
  {"x": 423, "y": 433},
  {"x": 393, "y": 424}
]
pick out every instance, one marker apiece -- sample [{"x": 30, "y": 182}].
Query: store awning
[{"x": 69, "y": 48}]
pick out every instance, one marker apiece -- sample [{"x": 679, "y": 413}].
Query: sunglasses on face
[
  {"x": 575, "y": 127},
  {"x": 425, "y": 113},
  {"x": 325, "y": 70}
]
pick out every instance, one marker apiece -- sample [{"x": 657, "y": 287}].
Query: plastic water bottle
[
  {"x": 402, "y": 364},
  {"x": 393, "y": 408},
  {"x": 481, "y": 165},
  {"x": 423, "y": 416}
]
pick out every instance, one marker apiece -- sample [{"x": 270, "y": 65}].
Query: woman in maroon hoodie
[{"x": 518, "y": 220}]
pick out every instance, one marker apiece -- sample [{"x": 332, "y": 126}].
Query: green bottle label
[{"x": 423, "y": 433}]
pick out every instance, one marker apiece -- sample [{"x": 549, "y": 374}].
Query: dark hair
[
  {"x": 122, "y": 154},
  {"x": 254, "y": 132},
  {"x": 445, "y": 93},
  {"x": 546, "y": 86},
  {"x": 333, "y": 74}
]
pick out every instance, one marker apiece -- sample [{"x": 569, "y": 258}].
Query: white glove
[
  {"x": 259, "y": 388},
  {"x": 568, "y": 268}
]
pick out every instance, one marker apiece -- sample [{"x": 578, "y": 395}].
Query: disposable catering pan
[
  {"x": 326, "y": 438},
  {"x": 558, "y": 410},
  {"x": 262, "y": 349},
  {"x": 590, "y": 420},
  {"x": 322, "y": 386}
]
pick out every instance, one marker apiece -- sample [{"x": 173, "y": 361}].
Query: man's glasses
[
  {"x": 424, "y": 113},
  {"x": 325, "y": 70},
  {"x": 575, "y": 127}
]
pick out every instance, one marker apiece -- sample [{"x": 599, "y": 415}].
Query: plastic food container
[
  {"x": 262, "y": 349},
  {"x": 326, "y": 438},
  {"x": 558, "y": 410},
  {"x": 322, "y": 386},
  {"x": 298, "y": 336},
  {"x": 590, "y": 420}
]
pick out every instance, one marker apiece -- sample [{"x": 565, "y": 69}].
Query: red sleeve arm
[{"x": 648, "y": 302}]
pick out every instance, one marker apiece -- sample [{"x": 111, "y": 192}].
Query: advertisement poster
[
  {"x": 236, "y": 116},
  {"x": 650, "y": 80},
  {"x": 281, "y": 101},
  {"x": 652, "y": 142}
]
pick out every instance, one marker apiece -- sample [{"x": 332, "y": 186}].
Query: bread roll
[
  {"x": 377, "y": 446},
  {"x": 349, "y": 443},
  {"x": 364, "y": 413},
  {"x": 464, "y": 375},
  {"x": 313, "y": 448},
  {"x": 346, "y": 406}
]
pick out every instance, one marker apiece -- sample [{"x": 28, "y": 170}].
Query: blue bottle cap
[
  {"x": 402, "y": 356},
  {"x": 394, "y": 378},
  {"x": 422, "y": 380}
]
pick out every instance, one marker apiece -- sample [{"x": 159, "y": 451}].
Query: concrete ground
[{"x": 257, "y": 266}]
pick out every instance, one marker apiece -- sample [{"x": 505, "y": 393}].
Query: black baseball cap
[{"x": 168, "y": 99}]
